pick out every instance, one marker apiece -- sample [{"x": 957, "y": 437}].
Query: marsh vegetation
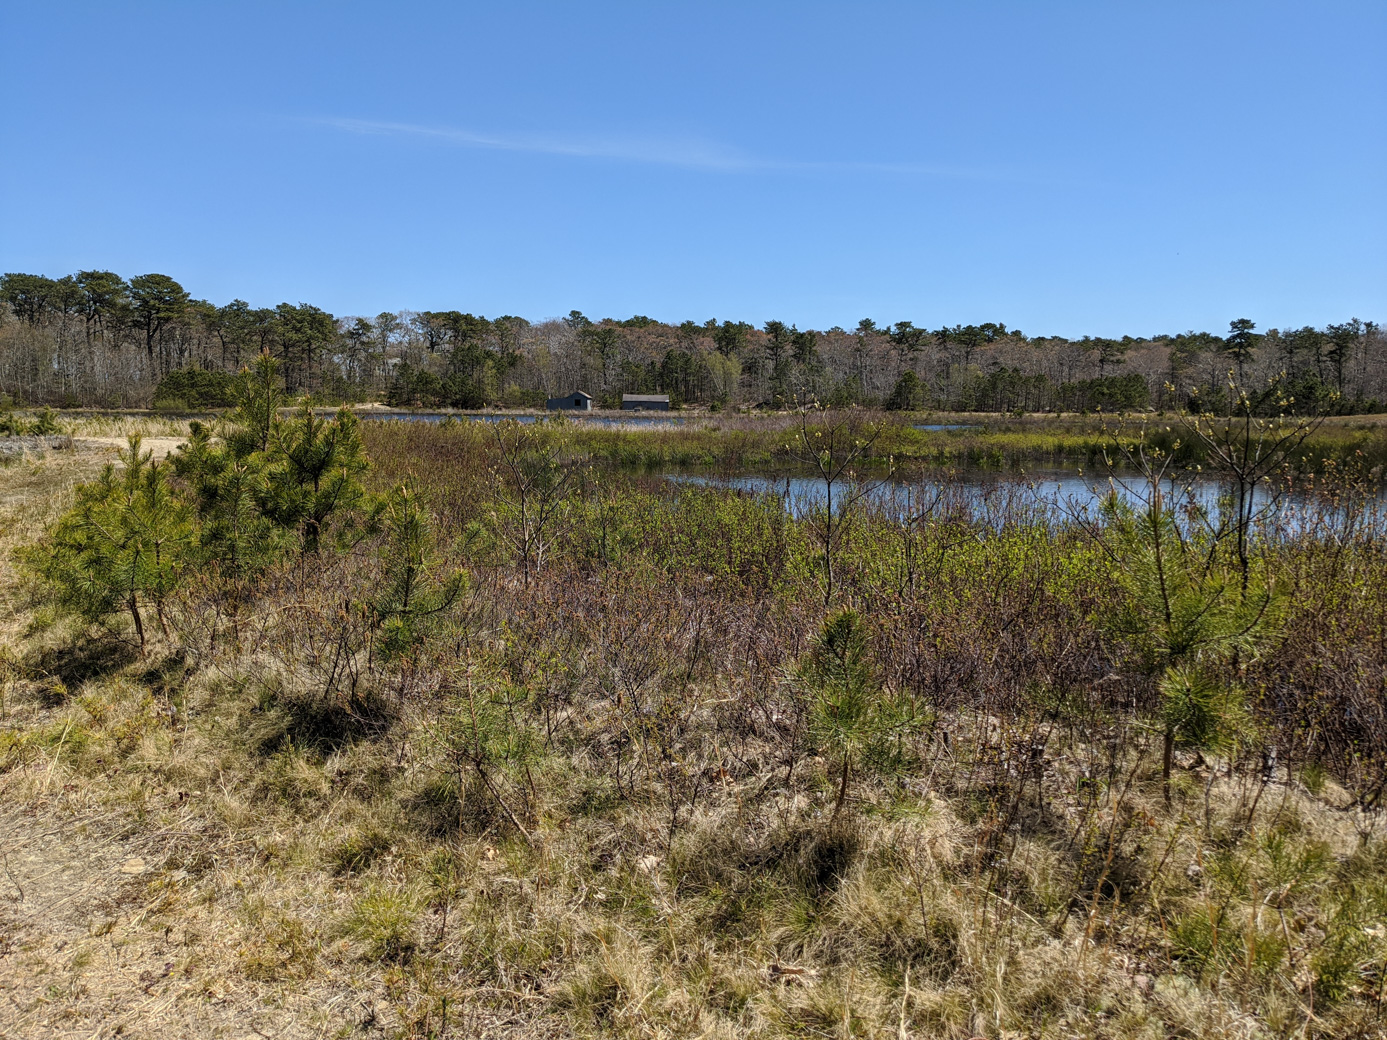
[{"x": 497, "y": 726}]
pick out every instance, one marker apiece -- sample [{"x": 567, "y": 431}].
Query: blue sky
[{"x": 1065, "y": 168}]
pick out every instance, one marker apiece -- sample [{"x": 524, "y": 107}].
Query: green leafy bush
[{"x": 197, "y": 388}]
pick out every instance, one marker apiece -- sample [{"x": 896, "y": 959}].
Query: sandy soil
[
  {"x": 162, "y": 447},
  {"x": 97, "y": 939},
  {"x": 114, "y": 925}
]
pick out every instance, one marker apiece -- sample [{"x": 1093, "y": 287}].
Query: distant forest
[{"x": 97, "y": 339}]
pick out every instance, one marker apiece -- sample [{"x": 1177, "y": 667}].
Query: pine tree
[
  {"x": 228, "y": 480},
  {"x": 1240, "y": 345},
  {"x": 123, "y": 546},
  {"x": 1192, "y": 618},
  {"x": 269, "y": 472},
  {"x": 907, "y": 394},
  {"x": 412, "y": 592},
  {"x": 235, "y": 539},
  {"x": 256, "y": 417},
  {"x": 851, "y": 718},
  {"x": 242, "y": 500},
  {"x": 315, "y": 473}
]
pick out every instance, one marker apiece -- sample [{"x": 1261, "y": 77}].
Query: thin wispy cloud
[
  {"x": 691, "y": 154},
  {"x": 686, "y": 153}
]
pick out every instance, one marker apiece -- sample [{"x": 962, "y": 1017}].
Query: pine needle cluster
[
  {"x": 851, "y": 717},
  {"x": 1193, "y": 617},
  {"x": 124, "y": 543},
  {"x": 225, "y": 507}
]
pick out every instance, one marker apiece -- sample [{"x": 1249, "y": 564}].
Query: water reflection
[{"x": 1055, "y": 497}]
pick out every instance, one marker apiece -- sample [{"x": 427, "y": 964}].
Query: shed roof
[{"x": 645, "y": 397}]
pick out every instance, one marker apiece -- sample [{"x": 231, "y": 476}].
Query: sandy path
[
  {"x": 162, "y": 447},
  {"x": 101, "y": 934}
]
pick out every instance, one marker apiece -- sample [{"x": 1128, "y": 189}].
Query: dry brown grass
[{"x": 297, "y": 880}]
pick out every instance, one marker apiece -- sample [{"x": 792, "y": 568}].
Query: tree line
[{"x": 95, "y": 338}]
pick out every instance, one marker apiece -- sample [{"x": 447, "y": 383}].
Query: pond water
[
  {"x": 1051, "y": 495},
  {"x": 939, "y": 427}
]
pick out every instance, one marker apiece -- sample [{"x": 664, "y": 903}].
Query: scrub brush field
[{"x": 317, "y": 727}]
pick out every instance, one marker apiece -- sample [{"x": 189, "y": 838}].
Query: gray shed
[
  {"x": 645, "y": 402},
  {"x": 574, "y": 402}
]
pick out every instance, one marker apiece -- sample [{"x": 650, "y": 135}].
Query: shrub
[
  {"x": 196, "y": 388},
  {"x": 122, "y": 546},
  {"x": 133, "y": 535}
]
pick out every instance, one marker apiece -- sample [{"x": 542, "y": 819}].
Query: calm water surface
[{"x": 1053, "y": 495}]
